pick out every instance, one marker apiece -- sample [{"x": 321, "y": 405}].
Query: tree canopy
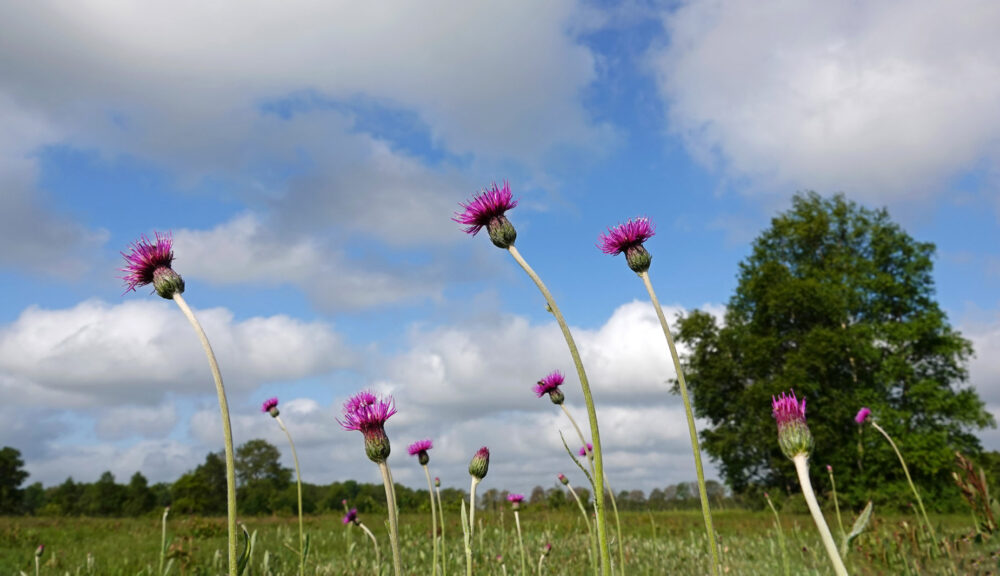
[{"x": 836, "y": 302}]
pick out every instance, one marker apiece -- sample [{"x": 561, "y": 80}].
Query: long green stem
[
  {"x": 472, "y": 507},
  {"x": 444, "y": 556},
  {"x": 836, "y": 504},
  {"x": 696, "y": 449},
  {"x": 802, "y": 469},
  {"x": 906, "y": 470},
  {"x": 227, "y": 430},
  {"x": 378, "y": 557},
  {"x": 434, "y": 540},
  {"x": 298, "y": 480},
  {"x": 520, "y": 543},
  {"x": 590, "y": 528},
  {"x": 781, "y": 537},
  {"x": 163, "y": 541},
  {"x": 602, "y": 530},
  {"x": 390, "y": 500}
]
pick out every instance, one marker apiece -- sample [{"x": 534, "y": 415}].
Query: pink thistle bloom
[
  {"x": 628, "y": 238},
  {"x": 419, "y": 449},
  {"x": 584, "y": 450},
  {"x": 270, "y": 406},
  {"x": 550, "y": 385},
  {"x": 368, "y": 413},
  {"x": 793, "y": 433},
  {"x": 515, "y": 497},
  {"x": 488, "y": 210},
  {"x": 351, "y": 517},
  {"x": 150, "y": 262},
  {"x": 862, "y": 415}
]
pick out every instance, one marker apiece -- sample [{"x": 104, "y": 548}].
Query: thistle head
[
  {"x": 419, "y": 449},
  {"x": 562, "y": 478},
  {"x": 488, "y": 209},
  {"x": 793, "y": 433},
  {"x": 550, "y": 385},
  {"x": 587, "y": 450},
  {"x": 437, "y": 482},
  {"x": 628, "y": 238},
  {"x": 270, "y": 406},
  {"x": 515, "y": 500},
  {"x": 367, "y": 413},
  {"x": 351, "y": 517},
  {"x": 40, "y": 550},
  {"x": 480, "y": 463},
  {"x": 148, "y": 262},
  {"x": 863, "y": 415}
]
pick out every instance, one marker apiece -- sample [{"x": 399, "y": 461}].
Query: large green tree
[
  {"x": 836, "y": 302},
  {"x": 12, "y": 475}
]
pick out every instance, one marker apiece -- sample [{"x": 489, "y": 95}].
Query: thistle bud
[
  {"x": 480, "y": 463},
  {"x": 793, "y": 433}
]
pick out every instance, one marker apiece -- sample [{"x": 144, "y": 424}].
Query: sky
[{"x": 308, "y": 158}]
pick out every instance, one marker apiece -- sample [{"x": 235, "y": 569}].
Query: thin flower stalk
[
  {"x": 163, "y": 540},
  {"x": 706, "y": 511},
  {"x": 541, "y": 559},
  {"x": 420, "y": 449},
  {"x": 390, "y": 499},
  {"x": 602, "y": 531},
  {"x": 586, "y": 520},
  {"x": 515, "y": 502},
  {"x": 781, "y": 536},
  {"x": 444, "y": 553},
  {"x": 270, "y": 406},
  {"x": 352, "y": 518},
  {"x": 801, "y": 462},
  {"x": 487, "y": 210},
  {"x": 38, "y": 558},
  {"x": 836, "y": 504},
  {"x": 150, "y": 263}
]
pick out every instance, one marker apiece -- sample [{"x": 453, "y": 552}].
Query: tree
[
  {"x": 836, "y": 302},
  {"x": 104, "y": 497},
  {"x": 261, "y": 477},
  {"x": 12, "y": 475},
  {"x": 139, "y": 498},
  {"x": 202, "y": 491}
]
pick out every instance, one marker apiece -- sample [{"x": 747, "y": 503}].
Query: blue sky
[{"x": 308, "y": 158}]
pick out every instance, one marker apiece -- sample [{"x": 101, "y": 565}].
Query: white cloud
[
  {"x": 881, "y": 100},
  {"x": 96, "y": 354}
]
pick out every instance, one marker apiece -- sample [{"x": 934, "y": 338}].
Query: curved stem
[
  {"x": 906, "y": 470},
  {"x": 434, "y": 540},
  {"x": 602, "y": 530},
  {"x": 227, "y": 430},
  {"x": 836, "y": 504},
  {"x": 781, "y": 537},
  {"x": 378, "y": 557},
  {"x": 298, "y": 481},
  {"x": 390, "y": 500},
  {"x": 696, "y": 449},
  {"x": 618, "y": 527},
  {"x": 802, "y": 469},
  {"x": 520, "y": 543},
  {"x": 583, "y": 440}
]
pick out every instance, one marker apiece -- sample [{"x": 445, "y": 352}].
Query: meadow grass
[{"x": 656, "y": 543}]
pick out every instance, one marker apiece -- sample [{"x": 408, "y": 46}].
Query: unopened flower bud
[{"x": 480, "y": 463}]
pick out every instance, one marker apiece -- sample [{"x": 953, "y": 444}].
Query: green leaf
[
  {"x": 248, "y": 542},
  {"x": 859, "y": 526}
]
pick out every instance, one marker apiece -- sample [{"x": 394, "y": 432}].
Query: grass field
[{"x": 655, "y": 543}]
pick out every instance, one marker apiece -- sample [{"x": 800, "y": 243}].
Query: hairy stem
[
  {"x": 602, "y": 531},
  {"x": 696, "y": 449},
  {"x": 378, "y": 557},
  {"x": 434, "y": 540},
  {"x": 590, "y": 528},
  {"x": 390, "y": 500},
  {"x": 444, "y": 556},
  {"x": 802, "y": 469},
  {"x": 227, "y": 430},
  {"x": 520, "y": 543}
]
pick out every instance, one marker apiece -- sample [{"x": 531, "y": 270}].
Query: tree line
[{"x": 264, "y": 487}]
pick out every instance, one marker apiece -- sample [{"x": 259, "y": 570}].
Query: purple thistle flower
[
  {"x": 562, "y": 478},
  {"x": 367, "y": 413},
  {"x": 419, "y": 449},
  {"x": 351, "y": 517},
  {"x": 862, "y": 415},
  {"x": 793, "y": 433},
  {"x": 584, "y": 450},
  {"x": 480, "y": 463},
  {"x": 150, "y": 262},
  {"x": 270, "y": 406},
  {"x": 488, "y": 209},
  {"x": 515, "y": 500},
  {"x": 437, "y": 481},
  {"x": 628, "y": 238},
  {"x": 550, "y": 385}
]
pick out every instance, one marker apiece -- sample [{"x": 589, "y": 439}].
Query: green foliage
[
  {"x": 12, "y": 475},
  {"x": 202, "y": 491},
  {"x": 836, "y": 302}
]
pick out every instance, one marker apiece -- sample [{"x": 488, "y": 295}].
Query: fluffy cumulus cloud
[
  {"x": 878, "y": 99},
  {"x": 96, "y": 354},
  {"x": 983, "y": 330}
]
